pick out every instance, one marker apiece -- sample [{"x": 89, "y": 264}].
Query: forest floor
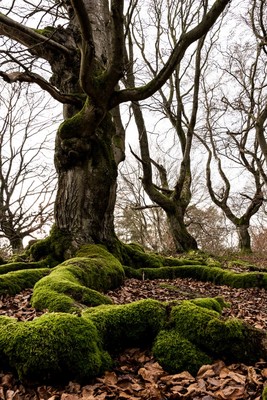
[{"x": 136, "y": 374}]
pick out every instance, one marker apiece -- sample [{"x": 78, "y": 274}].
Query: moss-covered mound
[
  {"x": 175, "y": 353},
  {"x": 129, "y": 325},
  {"x": 18, "y": 266},
  {"x": 14, "y": 282},
  {"x": 231, "y": 339},
  {"x": 53, "y": 348},
  {"x": 79, "y": 282},
  {"x": 204, "y": 273},
  {"x": 60, "y": 346}
]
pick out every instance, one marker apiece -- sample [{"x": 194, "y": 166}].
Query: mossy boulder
[
  {"x": 231, "y": 339},
  {"x": 53, "y": 348},
  {"x": 176, "y": 354},
  {"x": 128, "y": 325},
  {"x": 79, "y": 282}
]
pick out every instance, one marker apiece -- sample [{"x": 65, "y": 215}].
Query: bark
[
  {"x": 87, "y": 174},
  {"x": 244, "y": 238},
  {"x": 182, "y": 239}
]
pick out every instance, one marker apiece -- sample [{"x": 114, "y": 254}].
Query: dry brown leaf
[
  {"x": 110, "y": 378},
  {"x": 230, "y": 393},
  {"x": 69, "y": 396},
  {"x": 146, "y": 374},
  {"x": 238, "y": 378},
  {"x": 205, "y": 371},
  {"x": 253, "y": 377}
]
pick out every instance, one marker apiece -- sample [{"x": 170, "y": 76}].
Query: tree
[
  {"x": 177, "y": 101},
  {"x": 258, "y": 14},
  {"x": 84, "y": 48},
  {"x": 27, "y": 181},
  {"x": 233, "y": 104}
]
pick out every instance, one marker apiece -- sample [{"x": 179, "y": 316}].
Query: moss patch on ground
[
  {"x": 79, "y": 282},
  {"x": 14, "y": 282},
  {"x": 53, "y": 348},
  {"x": 175, "y": 353},
  {"x": 128, "y": 325},
  {"x": 231, "y": 339},
  {"x": 61, "y": 346},
  {"x": 204, "y": 273}
]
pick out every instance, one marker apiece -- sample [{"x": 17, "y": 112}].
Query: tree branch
[
  {"x": 31, "y": 77},
  {"x": 186, "y": 39},
  {"x": 36, "y": 43}
]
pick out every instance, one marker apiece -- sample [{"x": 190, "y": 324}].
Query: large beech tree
[{"x": 85, "y": 55}]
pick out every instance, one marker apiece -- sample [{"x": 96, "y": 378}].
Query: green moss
[
  {"x": 55, "y": 347},
  {"x": 77, "y": 282},
  {"x": 47, "y": 31},
  {"x": 216, "y": 303},
  {"x": 17, "y": 266},
  {"x": 232, "y": 340},
  {"x": 53, "y": 248},
  {"x": 14, "y": 282},
  {"x": 264, "y": 393},
  {"x": 176, "y": 354},
  {"x": 134, "y": 257},
  {"x": 122, "y": 326},
  {"x": 204, "y": 273}
]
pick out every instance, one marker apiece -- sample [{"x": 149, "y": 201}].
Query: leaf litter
[{"x": 136, "y": 374}]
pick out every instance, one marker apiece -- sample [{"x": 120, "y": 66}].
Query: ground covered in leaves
[{"x": 136, "y": 374}]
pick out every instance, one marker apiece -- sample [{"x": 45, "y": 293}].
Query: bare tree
[
  {"x": 232, "y": 106},
  {"x": 84, "y": 48},
  {"x": 27, "y": 179},
  {"x": 177, "y": 102}
]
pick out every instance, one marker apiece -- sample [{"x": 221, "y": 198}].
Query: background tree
[
  {"x": 232, "y": 106},
  {"x": 84, "y": 47},
  {"x": 177, "y": 101},
  {"x": 27, "y": 178}
]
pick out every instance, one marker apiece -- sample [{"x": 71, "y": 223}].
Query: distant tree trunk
[
  {"x": 182, "y": 239},
  {"x": 244, "y": 238}
]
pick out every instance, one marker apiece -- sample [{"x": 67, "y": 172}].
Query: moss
[
  {"x": 216, "y": 303},
  {"x": 53, "y": 248},
  {"x": 47, "y": 31},
  {"x": 17, "y": 266},
  {"x": 77, "y": 282},
  {"x": 204, "y": 273},
  {"x": 264, "y": 393},
  {"x": 74, "y": 126},
  {"x": 176, "y": 354},
  {"x": 55, "y": 347},
  {"x": 14, "y": 282},
  {"x": 232, "y": 340},
  {"x": 129, "y": 325},
  {"x": 132, "y": 256}
]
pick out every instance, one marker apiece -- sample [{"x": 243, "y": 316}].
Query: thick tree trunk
[
  {"x": 244, "y": 238},
  {"x": 182, "y": 239},
  {"x": 87, "y": 174}
]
